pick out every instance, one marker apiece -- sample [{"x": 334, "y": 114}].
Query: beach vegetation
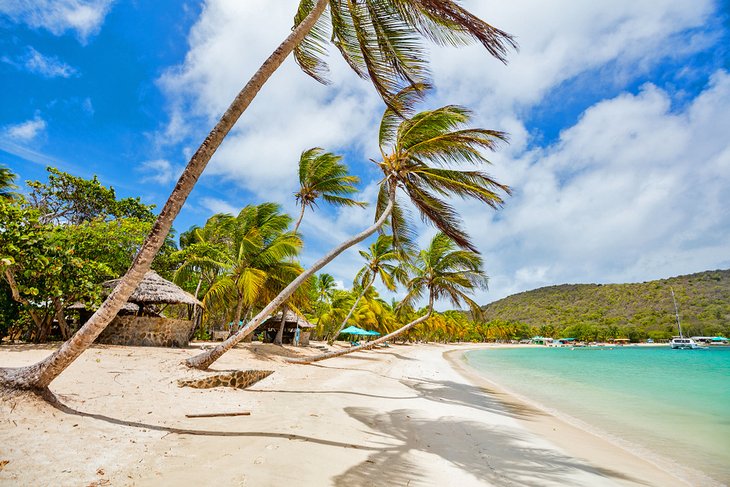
[
  {"x": 442, "y": 271},
  {"x": 422, "y": 155},
  {"x": 381, "y": 42},
  {"x": 383, "y": 262},
  {"x": 58, "y": 245},
  {"x": 322, "y": 175}
]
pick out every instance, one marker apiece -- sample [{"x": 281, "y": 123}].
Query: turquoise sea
[{"x": 675, "y": 404}]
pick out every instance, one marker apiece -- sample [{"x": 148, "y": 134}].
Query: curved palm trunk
[
  {"x": 366, "y": 346},
  {"x": 352, "y": 310},
  {"x": 203, "y": 360},
  {"x": 40, "y": 375}
]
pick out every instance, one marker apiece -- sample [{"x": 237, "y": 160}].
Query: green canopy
[
  {"x": 373, "y": 333},
  {"x": 354, "y": 330}
]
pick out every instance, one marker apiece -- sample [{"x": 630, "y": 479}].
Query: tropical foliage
[
  {"x": 59, "y": 245},
  {"x": 322, "y": 175},
  {"x": 379, "y": 40}
]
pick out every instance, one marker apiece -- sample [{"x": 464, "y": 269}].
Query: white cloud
[
  {"x": 160, "y": 171},
  {"x": 48, "y": 66},
  {"x": 560, "y": 40},
  {"x": 215, "y": 205},
  {"x": 633, "y": 191},
  {"x": 85, "y": 17},
  {"x": 25, "y": 131}
]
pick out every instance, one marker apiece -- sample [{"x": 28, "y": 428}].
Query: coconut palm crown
[
  {"x": 420, "y": 155},
  {"x": 444, "y": 272},
  {"x": 322, "y": 175},
  {"x": 383, "y": 40}
]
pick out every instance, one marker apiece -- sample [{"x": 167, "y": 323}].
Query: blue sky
[{"x": 618, "y": 115}]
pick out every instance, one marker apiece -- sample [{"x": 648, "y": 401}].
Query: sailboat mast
[{"x": 676, "y": 313}]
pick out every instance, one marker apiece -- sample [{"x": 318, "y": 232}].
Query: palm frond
[{"x": 309, "y": 53}]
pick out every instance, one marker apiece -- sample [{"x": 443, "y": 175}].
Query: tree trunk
[
  {"x": 365, "y": 346},
  {"x": 15, "y": 293},
  {"x": 61, "y": 317},
  {"x": 40, "y": 375},
  {"x": 203, "y": 360},
  {"x": 352, "y": 310},
  {"x": 299, "y": 221},
  {"x": 279, "y": 340}
]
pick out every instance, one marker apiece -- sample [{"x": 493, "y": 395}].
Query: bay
[{"x": 674, "y": 403}]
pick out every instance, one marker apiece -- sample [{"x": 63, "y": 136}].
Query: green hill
[{"x": 641, "y": 309}]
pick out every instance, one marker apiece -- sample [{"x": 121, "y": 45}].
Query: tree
[
  {"x": 440, "y": 272},
  {"x": 259, "y": 256},
  {"x": 71, "y": 199},
  {"x": 382, "y": 261},
  {"x": 322, "y": 175},
  {"x": 435, "y": 137},
  {"x": 380, "y": 42},
  {"x": 7, "y": 178},
  {"x": 47, "y": 266}
]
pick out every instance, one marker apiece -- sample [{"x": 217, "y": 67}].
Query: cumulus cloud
[
  {"x": 160, "y": 171},
  {"x": 633, "y": 190},
  {"x": 26, "y": 131},
  {"x": 85, "y": 17}
]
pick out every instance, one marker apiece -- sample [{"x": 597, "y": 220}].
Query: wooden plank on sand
[{"x": 216, "y": 415}]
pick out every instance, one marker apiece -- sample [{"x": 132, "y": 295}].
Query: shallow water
[{"x": 675, "y": 403}]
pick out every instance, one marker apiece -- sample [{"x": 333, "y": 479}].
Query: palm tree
[
  {"x": 441, "y": 272},
  {"x": 322, "y": 175},
  {"x": 379, "y": 40},
  {"x": 202, "y": 251},
  {"x": 382, "y": 261},
  {"x": 436, "y": 137},
  {"x": 7, "y": 177},
  {"x": 260, "y": 256}
]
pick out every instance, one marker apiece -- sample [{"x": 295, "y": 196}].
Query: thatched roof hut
[
  {"x": 155, "y": 290},
  {"x": 292, "y": 321},
  {"x": 140, "y": 323}
]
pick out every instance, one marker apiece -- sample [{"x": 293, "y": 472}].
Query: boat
[
  {"x": 685, "y": 343},
  {"x": 681, "y": 342}
]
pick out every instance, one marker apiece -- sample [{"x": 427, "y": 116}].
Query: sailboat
[{"x": 681, "y": 342}]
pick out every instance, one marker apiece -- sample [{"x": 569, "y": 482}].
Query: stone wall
[{"x": 146, "y": 331}]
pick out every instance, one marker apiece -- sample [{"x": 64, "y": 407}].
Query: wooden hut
[
  {"x": 292, "y": 322},
  {"x": 142, "y": 321}
]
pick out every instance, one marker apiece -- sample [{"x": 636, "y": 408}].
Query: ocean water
[{"x": 670, "y": 404}]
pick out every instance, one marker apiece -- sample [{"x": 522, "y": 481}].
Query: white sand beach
[{"x": 403, "y": 416}]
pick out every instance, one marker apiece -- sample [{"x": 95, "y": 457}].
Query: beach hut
[
  {"x": 292, "y": 323},
  {"x": 142, "y": 321}
]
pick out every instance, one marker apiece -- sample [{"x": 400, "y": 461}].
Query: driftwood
[{"x": 216, "y": 415}]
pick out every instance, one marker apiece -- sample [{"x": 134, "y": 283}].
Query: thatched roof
[
  {"x": 154, "y": 289},
  {"x": 292, "y": 320}
]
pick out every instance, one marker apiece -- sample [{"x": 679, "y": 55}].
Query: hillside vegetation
[{"x": 641, "y": 309}]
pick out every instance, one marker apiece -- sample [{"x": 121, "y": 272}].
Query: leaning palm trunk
[
  {"x": 40, "y": 375},
  {"x": 365, "y": 346},
  {"x": 203, "y": 360},
  {"x": 349, "y": 314}
]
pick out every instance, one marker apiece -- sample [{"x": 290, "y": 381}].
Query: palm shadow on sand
[{"x": 491, "y": 454}]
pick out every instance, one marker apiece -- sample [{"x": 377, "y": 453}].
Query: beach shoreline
[
  {"x": 574, "y": 436},
  {"x": 403, "y": 415}
]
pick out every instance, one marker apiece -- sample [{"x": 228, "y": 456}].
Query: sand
[{"x": 401, "y": 416}]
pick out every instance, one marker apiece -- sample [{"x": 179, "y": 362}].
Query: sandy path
[{"x": 396, "y": 416}]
